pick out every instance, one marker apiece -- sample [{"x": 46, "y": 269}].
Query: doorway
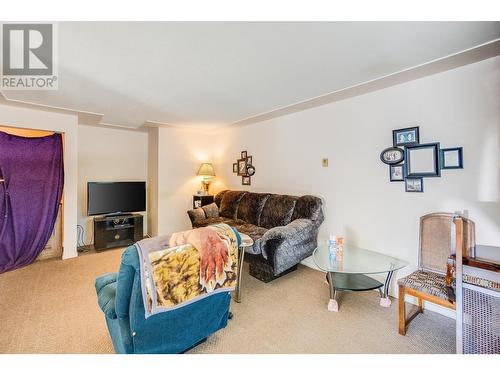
[{"x": 54, "y": 247}]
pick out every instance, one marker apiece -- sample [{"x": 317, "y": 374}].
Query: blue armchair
[{"x": 120, "y": 298}]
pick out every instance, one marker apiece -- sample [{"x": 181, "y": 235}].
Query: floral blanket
[{"x": 183, "y": 268}]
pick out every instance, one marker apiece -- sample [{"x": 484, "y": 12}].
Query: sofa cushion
[
  {"x": 211, "y": 210},
  {"x": 209, "y": 221},
  {"x": 251, "y": 206},
  {"x": 277, "y": 211},
  {"x": 217, "y": 220},
  {"x": 230, "y": 202},
  {"x": 307, "y": 207},
  {"x": 255, "y": 233}
]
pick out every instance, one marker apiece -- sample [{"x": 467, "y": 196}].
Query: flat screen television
[{"x": 104, "y": 198}]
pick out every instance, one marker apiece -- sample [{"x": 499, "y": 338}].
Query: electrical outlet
[{"x": 324, "y": 162}]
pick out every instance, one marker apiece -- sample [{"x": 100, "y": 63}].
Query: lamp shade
[{"x": 206, "y": 169}]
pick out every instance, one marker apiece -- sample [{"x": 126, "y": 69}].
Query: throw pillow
[
  {"x": 211, "y": 210},
  {"x": 196, "y": 214}
]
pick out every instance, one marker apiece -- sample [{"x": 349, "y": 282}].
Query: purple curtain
[{"x": 33, "y": 174}]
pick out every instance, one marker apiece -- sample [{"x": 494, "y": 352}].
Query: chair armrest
[
  {"x": 105, "y": 286},
  {"x": 104, "y": 280}
]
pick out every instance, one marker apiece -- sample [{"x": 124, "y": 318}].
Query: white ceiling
[{"x": 214, "y": 73}]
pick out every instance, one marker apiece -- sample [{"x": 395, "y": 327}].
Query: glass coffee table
[{"x": 350, "y": 271}]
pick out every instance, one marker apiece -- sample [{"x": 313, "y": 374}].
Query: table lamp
[{"x": 206, "y": 170}]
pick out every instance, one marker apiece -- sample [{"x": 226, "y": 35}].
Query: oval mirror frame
[{"x": 392, "y": 155}]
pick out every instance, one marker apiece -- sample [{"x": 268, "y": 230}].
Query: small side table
[
  {"x": 202, "y": 200},
  {"x": 246, "y": 241}
]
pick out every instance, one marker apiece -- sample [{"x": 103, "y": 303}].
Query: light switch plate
[{"x": 324, "y": 162}]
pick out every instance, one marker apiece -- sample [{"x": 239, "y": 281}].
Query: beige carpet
[{"x": 51, "y": 307}]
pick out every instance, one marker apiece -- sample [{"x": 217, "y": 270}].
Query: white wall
[
  {"x": 21, "y": 116},
  {"x": 180, "y": 153},
  {"x": 152, "y": 201},
  {"x": 109, "y": 154},
  {"x": 457, "y": 108}
]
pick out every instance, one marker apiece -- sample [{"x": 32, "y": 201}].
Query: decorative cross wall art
[
  {"x": 244, "y": 168},
  {"x": 415, "y": 161}
]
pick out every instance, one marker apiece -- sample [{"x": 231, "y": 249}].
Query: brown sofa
[{"x": 284, "y": 228}]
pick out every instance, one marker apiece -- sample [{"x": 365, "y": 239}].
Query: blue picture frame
[
  {"x": 406, "y": 136},
  {"x": 434, "y": 171},
  {"x": 460, "y": 164}
]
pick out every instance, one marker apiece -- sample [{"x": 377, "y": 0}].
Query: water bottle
[
  {"x": 332, "y": 246},
  {"x": 340, "y": 248}
]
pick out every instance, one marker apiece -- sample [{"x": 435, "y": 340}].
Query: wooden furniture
[
  {"x": 478, "y": 301},
  {"x": 202, "y": 200},
  {"x": 117, "y": 231},
  {"x": 440, "y": 235}
]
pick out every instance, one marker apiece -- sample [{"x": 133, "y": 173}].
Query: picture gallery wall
[{"x": 410, "y": 161}]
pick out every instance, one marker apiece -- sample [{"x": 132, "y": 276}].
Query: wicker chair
[{"x": 438, "y": 239}]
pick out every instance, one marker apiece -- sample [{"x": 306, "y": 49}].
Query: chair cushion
[
  {"x": 428, "y": 282},
  {"x": 211, "y": 210},
  {"x": 277, "y": 211},
  {"x": 106, "y": 300},
  {"x": 251, "y": 206},
  {"x": 230, "y": 202}
]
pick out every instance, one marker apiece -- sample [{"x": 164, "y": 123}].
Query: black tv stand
[
  {"x": 117, "y": 230},
  {"x": 117, "y": 214}
]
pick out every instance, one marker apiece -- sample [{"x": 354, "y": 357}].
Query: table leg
[
  {"x": 241, "y": 255},
  {"x": 333, "y": 305},
  {"x": 385, "y": 301}
]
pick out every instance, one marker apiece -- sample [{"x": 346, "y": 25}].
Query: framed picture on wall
[
  {"x": 243, "y": 154},
  {"x": 422, "y": 160},
  {"x": 392, "y": 155},
  {"x": 396, "y": 172},
  {"x": 405, "y": 137},
  {"x": 246, "y": 180},
  {"x": 452, "y": 158},
  {"x": 235, "y": 167},
  {"x": 250, "y": 170},
  {"x": 249, "y": 160},
  {"x": 414, "y": 185},
  {"x": 242, "y": 167}
]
